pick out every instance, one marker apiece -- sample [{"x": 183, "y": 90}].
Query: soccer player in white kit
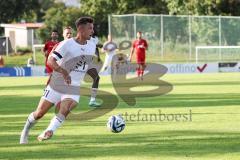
[
  {"x": 109, "y": 47},
  {"x": 65, "y": 51},
  {"x": 94, "y": 74},
  {"x": 67, "y": 34}
]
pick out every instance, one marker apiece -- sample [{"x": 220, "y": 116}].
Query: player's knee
[
  {"x": 97, "y": 78},
  {"x": 38, "y": 115}
]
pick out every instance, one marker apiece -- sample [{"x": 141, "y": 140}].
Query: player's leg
[
  {"x": 49, "y": 98},
  {"x": 41, "y": 110},
  {"x": 98, "y": 54},
  {"x": 141, "y": 71},
  {"x": 138, "y": 69},
  {"x": 142, "y": 66},
  {"x": 94, "y": 74},
  {"x": 66, "y": 106},
  {"x": 105, "y": 64}
]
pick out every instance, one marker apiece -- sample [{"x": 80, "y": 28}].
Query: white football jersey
[
  {"x": 75, "y": 58},
  {"x": 94, "y": 40}
]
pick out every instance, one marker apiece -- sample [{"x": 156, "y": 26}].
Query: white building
[{"x": 20, "y": 34}]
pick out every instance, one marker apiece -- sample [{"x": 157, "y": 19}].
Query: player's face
[
  {"x": 54, "y": 35},
  {"x": 139, "y": 35},
  {"x": 87, "y": 31},
  {"x": 67, "y": 33}
]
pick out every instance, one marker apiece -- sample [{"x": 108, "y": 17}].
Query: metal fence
[{"x": 175, "y": 38}]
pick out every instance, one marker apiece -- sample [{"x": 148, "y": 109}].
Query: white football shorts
[{"x": 55, "y": 97}]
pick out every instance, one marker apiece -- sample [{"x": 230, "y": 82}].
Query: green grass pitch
[{"x": 213, "y": 133}]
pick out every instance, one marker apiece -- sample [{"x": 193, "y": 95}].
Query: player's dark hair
[
  {"x": 54, "y": 30},
  {"x": 83, "y": 20}
]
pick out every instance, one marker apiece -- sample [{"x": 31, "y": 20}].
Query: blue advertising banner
[{"x": 15, "y": 71}]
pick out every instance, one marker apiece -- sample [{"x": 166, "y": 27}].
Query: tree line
[{"x": 57, "y": 15}]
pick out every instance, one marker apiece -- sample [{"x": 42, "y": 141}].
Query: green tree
[
  {"x": 230, "y": 31},
  {"x": 142, "y": 6},
  {"x": 44, "y": 5},
  {"x": 13, "y": 10},
  {"x": 57, "y": 18},
  {"x": 206, "y": 30},
  {"x": 100, "y": 9},
  {"x": 204, "y": 7},
  {"x": 26, "y": 10}
]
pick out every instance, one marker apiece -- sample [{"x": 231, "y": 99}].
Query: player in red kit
[
  {"x": 140, "y": 45},
  {"x": 48, "y": 48}
]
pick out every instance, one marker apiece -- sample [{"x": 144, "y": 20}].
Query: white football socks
[
  {"x": 56, "y": 122},
  {"x": 93, "y": 94},
  {"x": 30, "y": 122}
]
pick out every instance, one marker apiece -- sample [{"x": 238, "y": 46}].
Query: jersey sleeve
[{"x": 60, "y": 51}]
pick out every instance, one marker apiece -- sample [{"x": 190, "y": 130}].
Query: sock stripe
[{"x": 59, "y": 120}]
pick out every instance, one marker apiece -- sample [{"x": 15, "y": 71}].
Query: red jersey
[
  {"x": 140, "y": 46},
  {"x": 48, "y": 47}
]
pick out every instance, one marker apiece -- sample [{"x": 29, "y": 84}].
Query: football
[{"x": 116, "y": 123}]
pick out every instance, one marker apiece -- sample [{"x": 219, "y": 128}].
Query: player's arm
[
  {"x": 131, "y": 53},
  {"x": 104, "y": 47},
  {"x": 54, "y": 48},
  {"x": 113, "y": 48},
  {"x": 58, "y": 54},
  {"x": 52, "y": 62},
  {"x": 44, "y": 50}
]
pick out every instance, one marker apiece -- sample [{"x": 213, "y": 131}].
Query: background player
[
  {"x": 94, "y": 73},
  {"x": 109, "y": 47},
  {"x": 67, "y": 32},
  {"x": 140, "y": 45},
  {"x": 48, "y": 48},
  {"x": 65, "y": 51}
]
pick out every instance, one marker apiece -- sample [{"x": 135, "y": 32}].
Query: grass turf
[{"x": 212, "y": 133}]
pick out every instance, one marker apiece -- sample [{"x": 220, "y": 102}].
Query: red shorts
[{"x": 140, "y": 59}]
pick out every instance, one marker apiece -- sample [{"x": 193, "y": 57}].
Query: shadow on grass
[
  {"x": 190, "y": 100},
  {"x": 167, "y": 143},
  {"x": 26, "y": 104},
  {"x": 231, "y": 83},
  {"x": 15, "y": 104}
]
